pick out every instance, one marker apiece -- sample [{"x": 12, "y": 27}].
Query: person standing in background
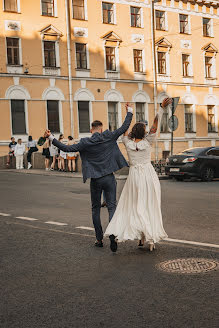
[
  {"x": 71, "y": 157},
  {"x": 11, "y": 146},
  {"x": 62, "y": 155},
  {"x": 32, "y": 147},
  {"x": 53, "y": 154},
  {"x": 46, "y": 153},
  {"x": 19, "y": 154}
]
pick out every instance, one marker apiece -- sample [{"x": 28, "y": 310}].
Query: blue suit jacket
[{"x": 100, "y": 153}]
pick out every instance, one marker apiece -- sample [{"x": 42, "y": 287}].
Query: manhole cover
[{"x": 190, "y": 265}]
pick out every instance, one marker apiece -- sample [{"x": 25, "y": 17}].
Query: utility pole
[{"x": 154, "y": 61}]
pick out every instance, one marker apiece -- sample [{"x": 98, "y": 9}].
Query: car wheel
[
  {"x": 179, "y": 178},
  {"x": 207, "y": 174}
]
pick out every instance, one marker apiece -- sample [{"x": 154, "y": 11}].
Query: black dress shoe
[
  {"x": 113, "y": 243},
  {"x": 98, "y": 243}
]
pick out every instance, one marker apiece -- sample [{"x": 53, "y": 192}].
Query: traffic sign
[
  {"x": 174, "y": 104},
  {"x": 173, "y": 123}
]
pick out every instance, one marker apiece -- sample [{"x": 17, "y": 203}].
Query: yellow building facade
[{"x": 65, "y": 63}]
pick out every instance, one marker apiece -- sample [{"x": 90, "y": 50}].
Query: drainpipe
[
  {"x": 68, "y": 29},
  {"x": 154, "y": 69}
]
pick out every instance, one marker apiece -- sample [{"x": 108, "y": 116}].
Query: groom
[{"x": 100, "y": 157}]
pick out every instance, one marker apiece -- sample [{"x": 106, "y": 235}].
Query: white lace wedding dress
[{"x": 139, "y": 208}]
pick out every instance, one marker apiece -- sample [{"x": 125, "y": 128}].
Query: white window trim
[
  {"x": 141, "y": 17},
  {"x": 143, "y": 61},
  {"x": 113, "y": 95},
  {"x": 213, "y": 69},
  {"x": 212, "y": 27},
  {"x": 166, "y": 21},
  {"x": 167, "y": 54},
  {"x": 190, "y": 66},
  {"x": 20, "y": 51},
  {"x": 88, "y": 134},
  {"x": 85, "y": 10},
  {"x": 192, "y": 134},
  {"x": 114, "y": 13},
  {"x": 146, "y": 114},
  {"x": 116, "y": 58},
  {"x": 61, "y": 125},
  {"x": 18, "y": 5},
  {"x": 87, "y": 56},
  {"x": 55, "y": 9},
  {"x": 189, "y": 23},
  {"x": 57, "y": 56},
  {"x": 215, "y": 119}
]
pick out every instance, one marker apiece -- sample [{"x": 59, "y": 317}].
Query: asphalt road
[{"x": 53, "y": 276}]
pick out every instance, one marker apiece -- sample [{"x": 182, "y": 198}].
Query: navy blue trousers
[{"x": 97, "y": 186}]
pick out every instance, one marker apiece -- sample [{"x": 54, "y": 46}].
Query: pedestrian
[
  {"x": 19, "y": 154},
  {"x": 32, "y": 147},
  {"x": 46, "y": 153},
  {"x": 138, "y": 214},
  {"x": 11, "y": 146},
  {"x": 62, "y": 155},
  {"x": 71, "y": 157},
  {"x": 100, "y": 157},
  {"x": 53, "y": 154}
]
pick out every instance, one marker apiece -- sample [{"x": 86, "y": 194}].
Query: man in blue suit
[{"x": 100, "y": 157}]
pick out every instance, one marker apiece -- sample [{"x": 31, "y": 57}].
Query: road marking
[
  {"x": 191, "y": 242},
  {"x": 4, "y": 214},
  {"x": 56, "y": 223},
  {"x": 26, "y": 218},
  {"x": 85, "y": 228}
]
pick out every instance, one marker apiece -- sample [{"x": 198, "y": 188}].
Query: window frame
[
  {"x": 111, "y": 56},
  {"x": 137, "y": 57},
  {"x": 54, "y": 9},
  {"x": 55, "y": 51},
  {"x": 47, "y": 116},
  {"x": 166, "y": 115},
  {"x": 186, "y": 70},
  {"x": 208, "y": 67},
  {"x": 212, "y": 130},
  {"x": 25, "y": 118},
  {"x": 182, "y": 21},
  {"x": 113, "y": 13},
  {"x": 19, "y": 52},
  {"x": 162, "y": 60},
  {"x": 12, "y": 11},
  {"x": 210, "y": 27},
  {"x": 133, "y": 14},
  {"x": 164, "y": 19},
  {"x": 116, "y": 114},
  {"x": 191, "y": 116},
  {"x": 89, "y": 114},
  {"x": 84, "y": 10},
  {"x": 86, "y": 54}
]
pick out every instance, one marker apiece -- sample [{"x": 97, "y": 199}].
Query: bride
[{"x": 138, "y": 214}]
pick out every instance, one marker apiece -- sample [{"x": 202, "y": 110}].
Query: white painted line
[
  {"x": 85, "y": 228},
  {"x": 26, "y": 218},
  {"x": 191, "y": 242},
  {"x": 56, "y": 223},
  {"x": 4, "y": 214}
]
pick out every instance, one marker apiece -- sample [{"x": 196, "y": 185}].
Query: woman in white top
[
  {"x": 62, "y": 156},
  {"x": 53, "y": 150},
  {"x": 32, "y": 147},
  {"x": 71, "y": 157},
  {"x": 138, "y": 214},
  {"x": 19, "y": 154}
]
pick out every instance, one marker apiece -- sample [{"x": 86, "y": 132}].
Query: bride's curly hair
[{"x": 138, "y": 131}]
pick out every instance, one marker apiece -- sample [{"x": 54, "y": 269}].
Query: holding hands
[
  {"x": 167, "y": 101},
  {"x": 47, "y": 133}
]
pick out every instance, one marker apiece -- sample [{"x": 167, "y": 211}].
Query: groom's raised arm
[
  {"x": 117, "y": 133},
  {"x": 67, "y": 148}
]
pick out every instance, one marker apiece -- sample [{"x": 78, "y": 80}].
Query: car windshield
[{"x": 191, "y": 151}]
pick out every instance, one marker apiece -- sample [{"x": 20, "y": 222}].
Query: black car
[{"x": 194, "y": 162}]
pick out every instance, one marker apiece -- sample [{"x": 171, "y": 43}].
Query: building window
[
  {"x": 164, "y": 121},
  {"x": 53, "y": 115},
  {"x": 138, "y": 65},
  {"x": 84, "y": 116},
  {"x": 113, "y": 115},
  {"x": 185, "y": 65},
  {"x": 188, "y": 118},
  {"x": 48, "y": 7},
  {"x": 50, "y": 53},
  {"x": 81, "y": 55},
  {"x": 211, "y": 119},
  {"x": 13, "y": 51},
  {"x": 10, "y": 5},
  {"x": 161, "y": 62},
  {"x": 78, "y": 9},
  {"x": 140, "y": 112},
  {"x": 18, "y": 116},
  {"x": 208, "y": 67},
  {"x": 135, "y": 16},
  {"x": 160, "y": 20},
  {"x": 184, "y": 23},
  {"x": 108, "y": 14},
  {"x": 206, "y": 26},
  {"x": 110, "y": 59}
]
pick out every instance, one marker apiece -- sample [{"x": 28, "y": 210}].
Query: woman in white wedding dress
[{"x": 138, "y": 214}]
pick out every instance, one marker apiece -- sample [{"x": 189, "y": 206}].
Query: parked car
[{"x": 194, "y": 162}]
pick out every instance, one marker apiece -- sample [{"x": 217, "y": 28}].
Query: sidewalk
[{"x": 66, "y": 174}]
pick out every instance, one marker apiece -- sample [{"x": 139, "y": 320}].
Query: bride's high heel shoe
[{"x": 151, "y": 246}]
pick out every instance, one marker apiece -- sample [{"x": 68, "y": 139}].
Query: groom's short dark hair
[{"x": 96, "y": 124}]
